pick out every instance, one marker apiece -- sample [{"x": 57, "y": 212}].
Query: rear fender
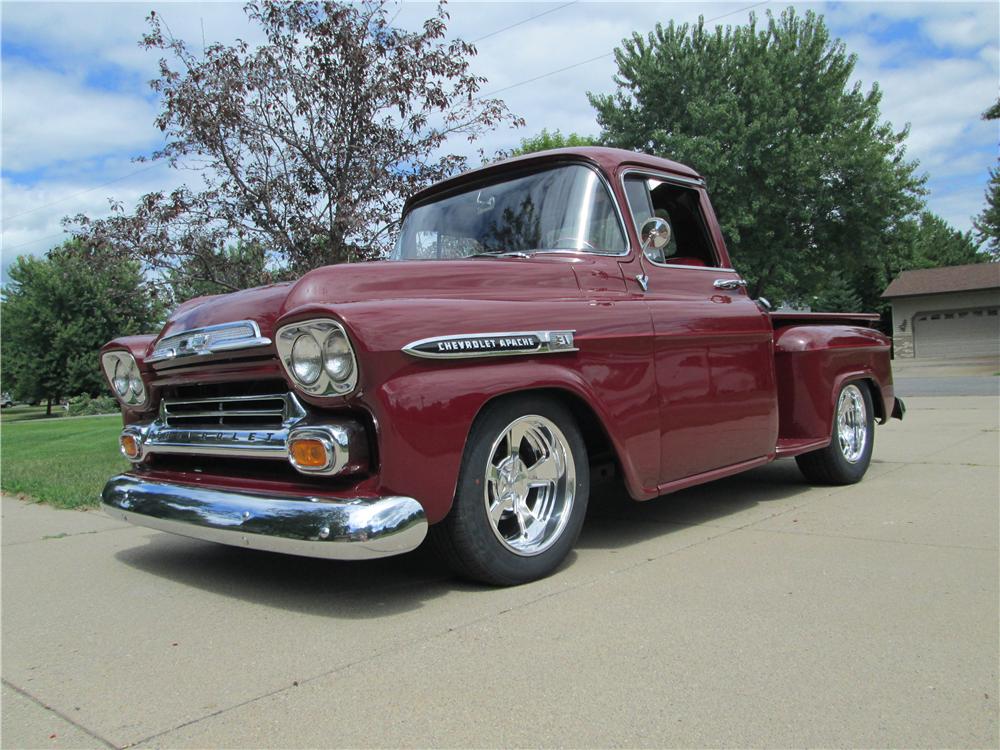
[{"x": 813, "y": 363}]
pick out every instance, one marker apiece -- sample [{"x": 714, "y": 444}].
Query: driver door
[{"x": 712, "y": 344}]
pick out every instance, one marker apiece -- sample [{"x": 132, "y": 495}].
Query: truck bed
[{"x": 782, "y": 319}]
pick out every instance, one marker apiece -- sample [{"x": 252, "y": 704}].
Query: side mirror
[{"x": 655, "y": 234}]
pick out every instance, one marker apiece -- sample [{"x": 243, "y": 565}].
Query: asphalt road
[
  {"x": 755, "y": 611},
  {"x": 974, "y": 376}
]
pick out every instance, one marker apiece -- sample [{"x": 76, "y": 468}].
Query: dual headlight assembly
[
  {"x": 317, "y": 355},
  {"x": 122, "y": 373}
]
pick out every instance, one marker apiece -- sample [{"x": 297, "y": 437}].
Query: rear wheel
[
  {"x": 845, "y": 460},
  {"x": 522, "y": 493}
]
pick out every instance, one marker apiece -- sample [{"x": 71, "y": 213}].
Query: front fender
[
  {"x": 424, "y": 416},
  {"x": 138, "y": 347}
]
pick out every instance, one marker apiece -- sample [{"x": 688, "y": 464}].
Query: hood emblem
[
  {"x": 192, "y": 345},
  {"x": 492, "y": 345}
]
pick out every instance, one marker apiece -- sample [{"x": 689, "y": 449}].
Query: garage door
[{"x": 959, "y": 333}]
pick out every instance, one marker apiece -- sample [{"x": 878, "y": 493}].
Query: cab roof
[{"x": 607, "y": 159}]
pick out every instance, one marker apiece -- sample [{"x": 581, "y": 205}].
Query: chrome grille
[{"x": 261, "y": 411}]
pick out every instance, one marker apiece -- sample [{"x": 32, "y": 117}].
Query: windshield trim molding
[{"x": 514, "y": 174}]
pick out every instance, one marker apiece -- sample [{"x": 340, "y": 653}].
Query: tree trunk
[{"x": 48, "y": 407}]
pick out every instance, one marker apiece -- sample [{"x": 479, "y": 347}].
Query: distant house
[{"x": 946, "y": 312}]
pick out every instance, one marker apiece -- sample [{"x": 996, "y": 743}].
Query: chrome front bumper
[{"x": 332, "y": 528}]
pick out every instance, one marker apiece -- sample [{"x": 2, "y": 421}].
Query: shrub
[{"x": 83, "y": 405}]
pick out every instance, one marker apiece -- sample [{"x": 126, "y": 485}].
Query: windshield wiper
[{"x": 508, "y": 254}]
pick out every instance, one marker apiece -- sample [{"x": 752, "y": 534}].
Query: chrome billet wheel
[
  {"x": 852, "y": 424},
  {"x": 845, "y": 460},
  {"x": 530, "y": 484},
  {"x": 522, "y": 492}
]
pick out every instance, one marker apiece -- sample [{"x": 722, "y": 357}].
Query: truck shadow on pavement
[
  {"x": 377, "y": 588},
  {"x": 614, "y": 520}
]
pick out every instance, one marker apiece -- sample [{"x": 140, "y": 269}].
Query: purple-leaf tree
[{"x": 306, "y": 145}]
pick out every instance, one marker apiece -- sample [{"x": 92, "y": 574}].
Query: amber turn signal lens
[
  {"x": 130, "y": 446},
  {"x": 308, "y": 453}
]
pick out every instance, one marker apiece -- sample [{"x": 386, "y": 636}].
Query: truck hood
[{"x": 482, "y": 278}]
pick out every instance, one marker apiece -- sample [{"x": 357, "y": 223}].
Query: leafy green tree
[
  {"x": 987, "y": 224},
  {"x": 837, "y": 295},
  {"x": 937, "y": 243},
  {"x": 546, "y": 140},
  {"x": 58, "y": 311},
  {"x": 805, "y": 176},
  {"x": 926, "y": 241}
]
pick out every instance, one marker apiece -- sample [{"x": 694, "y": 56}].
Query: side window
[
  {"x": 638, "y": 201},
  {"x": 690, "y": 244}
]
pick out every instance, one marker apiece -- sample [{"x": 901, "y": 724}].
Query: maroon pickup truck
[{"x": 538, "y": 318}]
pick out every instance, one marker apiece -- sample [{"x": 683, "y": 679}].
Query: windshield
[{"x": 565, "y": 208}]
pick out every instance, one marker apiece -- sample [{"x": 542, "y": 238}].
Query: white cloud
[
  {"x": 957, "y": 25},
  {"x": 32, "y": 214},
  {"x": 50, "y": 117}
]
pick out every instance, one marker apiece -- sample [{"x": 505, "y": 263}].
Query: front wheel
[
  {"x": 845, "y": 460},
  {"x": 522, "y": 493}
]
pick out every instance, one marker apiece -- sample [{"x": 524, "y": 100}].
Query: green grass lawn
[
  {"x": 23, "y": 413},
  {"x": 64, "y": 462}
]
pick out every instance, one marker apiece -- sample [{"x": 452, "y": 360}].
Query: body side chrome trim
[
  {"x": 326, "y": 527},
  {"x": 501, "y": 344}
]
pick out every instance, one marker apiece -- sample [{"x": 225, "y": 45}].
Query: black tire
[
  {"x": 831, "y": 465},
  {"x": 467, "y": 538}
]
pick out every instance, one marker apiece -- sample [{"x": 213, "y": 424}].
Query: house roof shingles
[{"x": 946, "y": 279}]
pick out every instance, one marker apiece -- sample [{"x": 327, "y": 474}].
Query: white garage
[
  {"x": 949, "y": 312},
  {"x": 959, "y": 333}
]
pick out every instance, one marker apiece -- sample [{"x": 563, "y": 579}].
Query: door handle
[{"x": 729, "y": 283}]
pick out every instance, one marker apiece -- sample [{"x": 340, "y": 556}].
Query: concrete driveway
[{"x": 756, "y": 611}]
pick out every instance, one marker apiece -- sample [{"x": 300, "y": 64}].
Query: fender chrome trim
[
  {"x": 334, "y": 528},
  {"x": 506, "y": 344}
]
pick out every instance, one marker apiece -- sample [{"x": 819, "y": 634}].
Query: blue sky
[{"x": 77, "y": 108}]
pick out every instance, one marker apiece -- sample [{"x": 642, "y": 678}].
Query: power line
[
  {"x": 606, "y": 54},
  {"x": 81, "y": 192},
  {"x": 546, "y": 75},
  {"x": 529, "y": 18},
  {"x": 32, "y": 242}
]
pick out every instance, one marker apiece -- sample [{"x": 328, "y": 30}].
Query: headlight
[
  {"x": 120, "y": 378},
  {"x": 122, "y": 372},
  {"x": 338, "y": 359},
  {"x": 307, "y": 362},
  {"x": 318, "y": 357}
]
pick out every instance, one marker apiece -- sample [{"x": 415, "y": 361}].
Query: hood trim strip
[{"x": 198, "y": 342}]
